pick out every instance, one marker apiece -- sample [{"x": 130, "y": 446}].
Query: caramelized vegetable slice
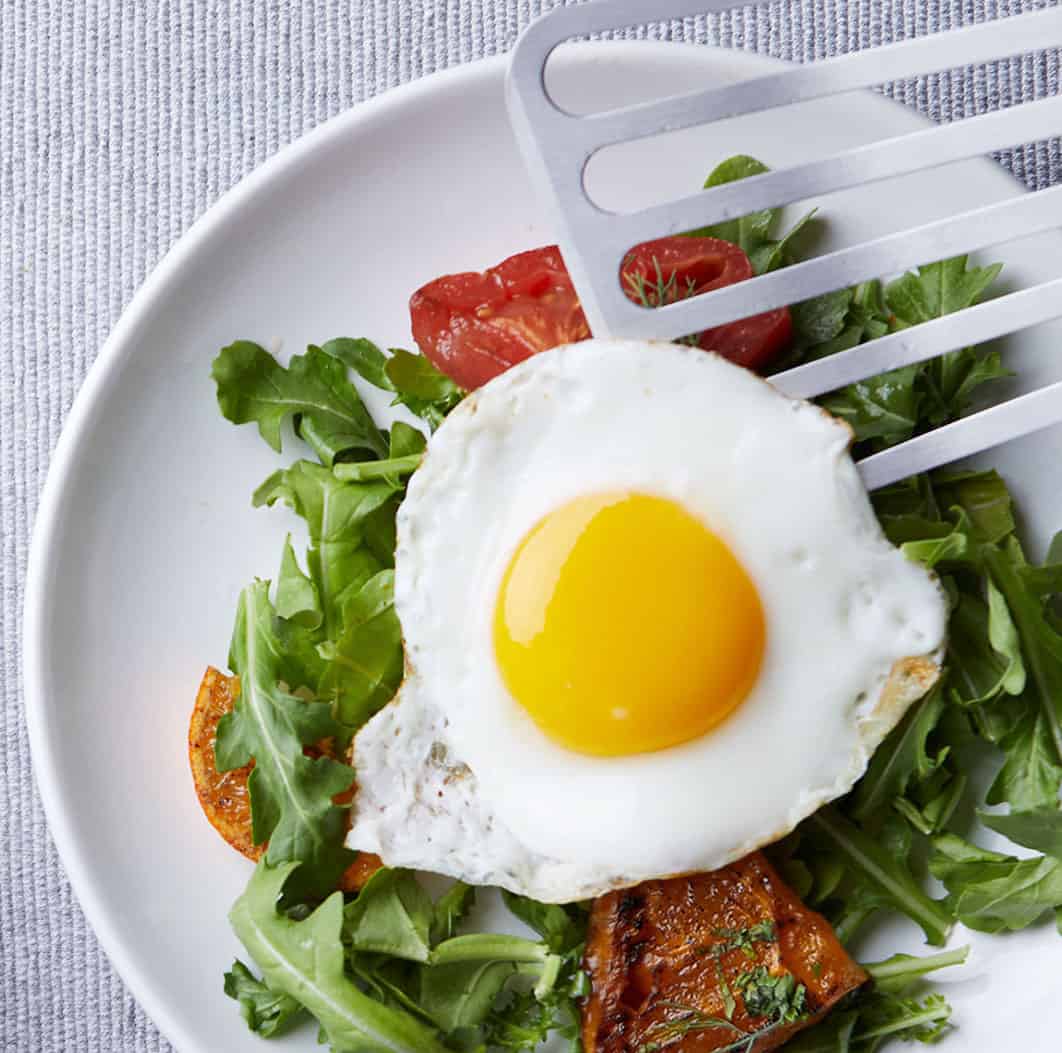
[
  {"x": 728, "y": 960},
  {"x": 223, "y": 795}
]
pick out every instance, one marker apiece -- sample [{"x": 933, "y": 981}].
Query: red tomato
[
  {"x": 671, "y": 269},
  {"x": 473, "y": 326}
]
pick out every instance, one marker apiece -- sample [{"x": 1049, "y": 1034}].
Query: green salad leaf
[
  {"x": 266, "y": 1012},
  {"x": 754, "y": 233},
  {"x": 306, "y": 961},
  {"x": 343, "y": 520},
  {"x": 291, "y": 794},
  {"x": 297, "y": 598},
  {"x": 314, "y": 390},
  {"x": 890, "y": 408},
  {"x": 991, "y": 892},
  {"x": 883, "y": 873}
]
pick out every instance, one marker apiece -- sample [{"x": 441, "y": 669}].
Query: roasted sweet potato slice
[
  {"x": 709, "y": 961},
  {"x": 223, "y": 795}
]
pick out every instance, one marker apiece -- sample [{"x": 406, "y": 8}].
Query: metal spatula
[{"x": 557, "y": 146}]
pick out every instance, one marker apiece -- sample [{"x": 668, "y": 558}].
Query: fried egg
[{"x": 651, "y": 624}]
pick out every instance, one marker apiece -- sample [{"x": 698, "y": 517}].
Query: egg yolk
[{"x": 624, "y": 625}]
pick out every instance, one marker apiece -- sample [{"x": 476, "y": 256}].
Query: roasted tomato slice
[
  {"x": 670, "y": 269},
  {"x": 473, "y": 326}
]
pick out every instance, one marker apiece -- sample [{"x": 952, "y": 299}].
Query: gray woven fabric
[{"x": 120, "y": 122}]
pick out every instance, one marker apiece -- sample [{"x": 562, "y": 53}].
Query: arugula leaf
[
  {"x": 363, "y": 356},
  {"x": 937, "y": 289},
  {"x": 406, "y": 451},
  {"x": 392, "y": 915},
  {"x": 365, "y": 663},
  {"x": 884, "y": 873},
  {"x": 315, "y": 389},
  {"x": 896, "y": 974},
  {"x": 884, "y": 1011},
  {"x": 751, "y": 233},
  {"x": 1039, "y": 828},
  {"x": 305, "y": 961},
  {"x": 339, "y": 516},
  {"x": 886, "y": 408},
  {"x": 561, "y": 928},
  {"x": 420, "y": 387},
  {"x": 265, "y": 1012},
  {"x": 1041, "y": 645},
  {"x": 901, "y": 758},
  {"x": 450, "y": 908},
  {"x": 465, "y": 975},
  {"x": 297, "y": 598},
  {"x": 1030, "y": 776},
  {"x": 991, "y": 892},
  {"x": 291, "y": 794},
  {"x": 979, "y": 671}
]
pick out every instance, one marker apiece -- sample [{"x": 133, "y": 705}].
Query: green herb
[
  {"x": 314, "y": 389},
  {"x": 779, "y": 999},
  {"x": 743, "y": 939}
]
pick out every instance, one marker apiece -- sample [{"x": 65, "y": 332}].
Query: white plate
[{"x": 145, "y": 533}]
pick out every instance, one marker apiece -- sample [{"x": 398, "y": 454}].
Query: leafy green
[
  {"x": 884, "y": 873},
  {"x": 886, "y": 1009},
  {"x": 305, "y": 961},
  {"x": 314, "y": 389},
  {"x": 753, "y": 232},
  {"x": 266, "y": 1012},
  {"x": 992, "y": 892},
  {"x": 937, "y": 289},
  {"x": 901, "y": 758},
  {"x": 291, "y": 794},
  {"x": 890, "y": 408},
  {"x": 562, "y": 928},
  {"x": 405, "y": 452},
  {"x": 1031, "y": 774},
  {"x": 363, "y": 356},
  {"x": 392, "y": 915},
  {"x": 896, "y": 974},
  {"x": 365, "y": 663},
  {"x": 450, "y": 910},
  {"x": 297, "y": 598},
  {"x": 420, "y": 387},
  {"x": 340, "y": 517},
  {"x": 1039, "y": 828}
]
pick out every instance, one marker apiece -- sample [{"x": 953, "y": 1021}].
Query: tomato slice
[
  {"x": 473, "y": 326},
  {"x": 670, "y": 269}
]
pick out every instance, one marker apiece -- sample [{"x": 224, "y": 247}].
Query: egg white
[{"x": 453, "y": 776}]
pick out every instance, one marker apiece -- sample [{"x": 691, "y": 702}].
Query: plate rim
[{"x": 114, "y": 351}]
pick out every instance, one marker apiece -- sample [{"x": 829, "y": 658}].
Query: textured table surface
[{"x": 120, "y": 122}]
